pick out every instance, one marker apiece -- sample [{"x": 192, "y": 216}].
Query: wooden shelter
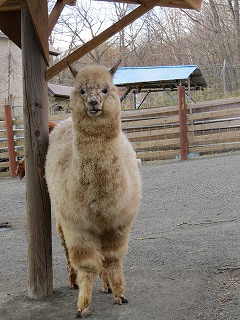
[{"x": 26, "y": 23}]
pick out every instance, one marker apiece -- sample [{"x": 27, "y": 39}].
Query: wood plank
[
  {"x": 152, "y": 133},
  {"x": 214, "y": 125},
  {"x": 224, "y": 147},
  {"x": 103, "y": 36},
  {"x": 213, "y": 114},
  {"x": 156, "y": 155},
  {"x": 148, "y": 123},
  {"x": 19, "y": 132},
  {"x": 215, "y": 138},
  {"x": 4, "y": 174},
  {"x": 3, "y": 155},
  {"x": 20, "y": 153},
  {"x": 151, "y": 112},
  {"x": 19, "y": 143},
  {"x": 156, "y": 144},
  {"x": 18, "y": 121},
  {"x": 3, "y": 134},
  {"x": 3, "y": 144},
  {"x": 212, "y": 103},
  {"x": 4, "y": 165}
]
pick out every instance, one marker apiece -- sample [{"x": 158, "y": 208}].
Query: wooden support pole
[
  {"x": 183, "y": 123},
  {"x": 10, "y": 140},
  {"x": 40, "y": 278}
]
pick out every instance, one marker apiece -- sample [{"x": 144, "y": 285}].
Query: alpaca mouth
[{"x": 94, "y": 112}]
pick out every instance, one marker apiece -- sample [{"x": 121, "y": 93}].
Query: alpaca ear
[
  {"x": 73, "y": 70},
  {"x": 114, "y": 68}
]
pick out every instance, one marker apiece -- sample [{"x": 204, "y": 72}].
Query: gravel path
[{"x": 184, "y": 254}]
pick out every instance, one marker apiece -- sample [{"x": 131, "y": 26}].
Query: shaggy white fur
[{"x": 94, "y": 185}]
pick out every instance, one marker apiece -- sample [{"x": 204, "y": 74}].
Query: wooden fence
[{"x": 211, "y": 127}]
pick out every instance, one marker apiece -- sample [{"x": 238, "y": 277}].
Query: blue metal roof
[{"x": 159, "y": 76}]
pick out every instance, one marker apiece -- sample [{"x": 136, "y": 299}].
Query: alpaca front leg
[
  {"x": 88, "y": 263},
  {"x": 86, "y": 277},
  {"x": 114, "y": 272}
]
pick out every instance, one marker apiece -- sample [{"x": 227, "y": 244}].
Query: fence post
[
  {"x": 182, "y": 123},
  {"x": 10, "y": 140}
]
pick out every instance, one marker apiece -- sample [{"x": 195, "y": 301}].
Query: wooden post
[
  {"x": 10, "y": 140},
  {"x": 40, "y": 278},
  {"x": 182, "y": 123}
]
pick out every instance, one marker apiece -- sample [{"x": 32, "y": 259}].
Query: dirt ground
[{"x": 184, "y": 254}]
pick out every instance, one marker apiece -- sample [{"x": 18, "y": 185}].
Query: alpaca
[
  {"x": 94, "y": 185},
  {"x": 20, "y": 170},
  {"x": 51, "y": 126}
]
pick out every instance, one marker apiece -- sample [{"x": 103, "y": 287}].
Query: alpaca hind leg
[
  {"x": 72, "y": 275},
  {"x": 113, "y": 268},
  {"x": 105, "y": 282}
]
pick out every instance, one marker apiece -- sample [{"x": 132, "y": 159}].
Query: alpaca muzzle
[{"x": 94, "y": 108}]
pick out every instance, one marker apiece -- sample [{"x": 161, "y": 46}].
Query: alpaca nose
[{"x": 93, "y": 102}]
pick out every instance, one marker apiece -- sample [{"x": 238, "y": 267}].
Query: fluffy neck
[{"x": 95, "y": 135}]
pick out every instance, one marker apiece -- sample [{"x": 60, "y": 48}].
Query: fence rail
[{"x": 212, "y": 127}]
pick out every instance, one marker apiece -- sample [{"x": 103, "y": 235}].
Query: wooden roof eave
[{"x": 13, "y": 5}]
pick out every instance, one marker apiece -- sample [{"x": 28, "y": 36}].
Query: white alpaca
[{"x": 94, "y": 185}]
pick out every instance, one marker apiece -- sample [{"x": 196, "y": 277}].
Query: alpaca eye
[
  {"x": 82, "y": 92},
  {"x": 105, "y": 90}
]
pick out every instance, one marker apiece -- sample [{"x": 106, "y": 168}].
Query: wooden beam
[
  {"x": 56, "y": 12},
  {"x": 39, "y": 15},
  {"x": 10, "y": 25},
  {"x": 2, "y": 2},
  {"x": 185, "y": 4},
  {"x": 35, "y": 109},
  {"x": 96, "y": 41},
  {"x": 10, "y": 5},
  {"x": 195, "y": 4}
]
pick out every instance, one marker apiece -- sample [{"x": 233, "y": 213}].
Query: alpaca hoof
[
  {"x": 120, "y": 300},
  {"x": 108, "y": 290},
  {"x": 73, "y": 286},
  {"x": 82, "y": 314}
]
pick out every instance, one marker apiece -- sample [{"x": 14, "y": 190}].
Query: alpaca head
[{"x": 94, "y": 94}]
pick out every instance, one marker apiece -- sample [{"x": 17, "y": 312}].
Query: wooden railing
[{"x": 212, "y": 127}]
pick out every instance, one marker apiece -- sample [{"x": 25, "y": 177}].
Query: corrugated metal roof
[
  {"x": 59, "y": 90},
  {"x": 159, "y": 76}
]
